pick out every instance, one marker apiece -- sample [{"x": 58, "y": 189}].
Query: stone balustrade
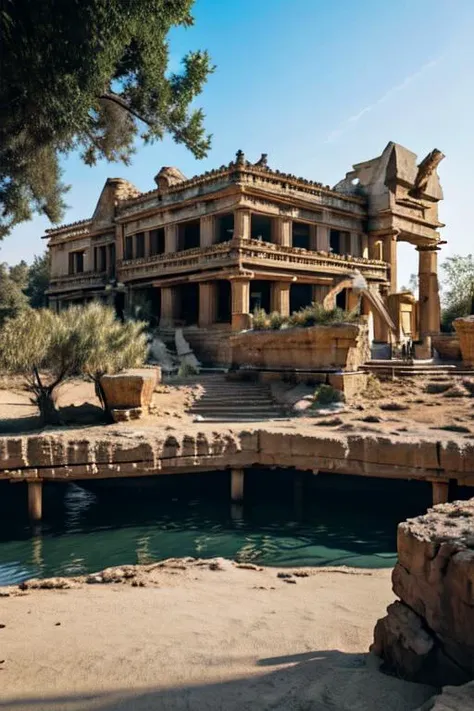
[{"x": 77, "y": 281}]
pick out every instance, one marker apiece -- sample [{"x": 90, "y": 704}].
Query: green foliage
[
  {"x": 458, "y": 294},
  {"x": 38, "y": 282},
  {"x": 90, "y": 75},
  {"x": 327, "y": 395},
  {"x": 12, "y": 299},
  {"x": 312, "y": 315},
  {"x": 276, "y": 321},
  {"x": 260, "y": 320},
  {"x": 186, "y": 370},
  {"x": 47, "y": 348}
]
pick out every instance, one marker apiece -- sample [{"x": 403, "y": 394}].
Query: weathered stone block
[
  {"x": 131, "y": 389},
  {"x": 465, "y": 331}
]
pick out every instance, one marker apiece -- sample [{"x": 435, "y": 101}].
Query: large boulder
[
  {"x": 130, "y": 391},
  {"x": 429, "y": 635}
]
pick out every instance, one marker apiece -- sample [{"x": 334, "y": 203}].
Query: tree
[
  {"x": 110, "y": 345},
  {"x": 12, "y": 298},
  {"x": 38, "y": 282},
  {"x": 89, "y": 75},
  {"x": 458, "y": 294},
  {"x": 48, "y": 348}
]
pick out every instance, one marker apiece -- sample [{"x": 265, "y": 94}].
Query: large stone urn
[{"x": 465, "y": 330}]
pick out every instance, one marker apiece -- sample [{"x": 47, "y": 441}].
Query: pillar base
[
  {"x": 237, "y": 485},
  {"x": 35, "y": 500}
]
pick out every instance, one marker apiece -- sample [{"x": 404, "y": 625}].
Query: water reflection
[{"x": 285, "y": 520}]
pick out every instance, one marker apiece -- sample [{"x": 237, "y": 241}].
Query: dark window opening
[
  {"x": 341, "y": 300},
  {"x": 301, "y": 295},
  {"x": 111, "y": 269},
  {"x": 157, "y": 241},
  {"x": 261, "y": 227},
  {"x": 128, "y": 247},
  {"x": 260, "y": 295},
  {"x": 225, "y": 227},
  {"x": 76, "y": 263},
  {"x": 140, "y": 245},
  {"x": 189, "y": 304},
  {"x": 335, "y": 241},
  {"x": 224, "y": 302},
  {"x": 100, "y": 259},
  {"x": 189, "y": 235},
  {"x": 301, "y": 235}
]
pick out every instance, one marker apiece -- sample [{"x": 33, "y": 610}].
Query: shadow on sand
[{"x": 310, "y": 681}]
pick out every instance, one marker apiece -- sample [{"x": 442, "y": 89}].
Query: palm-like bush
[{"x": 48, "y": 348}]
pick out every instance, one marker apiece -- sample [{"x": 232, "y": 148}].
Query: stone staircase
[
  {"x": 398, "y": 368},
  {"x": 233, "y": 401}
]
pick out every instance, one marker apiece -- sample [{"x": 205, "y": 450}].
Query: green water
[{"x": 328, "y": 520}]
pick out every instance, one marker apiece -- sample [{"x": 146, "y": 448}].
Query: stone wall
[
  {"x": 428, "y": 635},
  {"x": 342, "y": 347},
  {"x": 447, "y": 346}
]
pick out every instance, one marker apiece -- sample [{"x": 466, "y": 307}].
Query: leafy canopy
[
  {"x": 89, "y": 75},
  {"x": 458, "y": 292},
  {"x": 13, "y": 300}
]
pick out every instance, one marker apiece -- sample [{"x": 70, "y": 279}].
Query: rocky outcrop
[
  {"x": 465, "y": 331},
  {"x": 343, "y": 346},
  {"x": 453, "y": 698},
  {"x": 428, "y": 636}
]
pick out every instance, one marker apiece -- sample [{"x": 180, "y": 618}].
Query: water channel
[{"x": 288, "y": 519}]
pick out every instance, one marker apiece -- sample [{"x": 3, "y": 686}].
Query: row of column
[
  {"x": 440, "y": 492},
  {"x": 319, "y": 238}
]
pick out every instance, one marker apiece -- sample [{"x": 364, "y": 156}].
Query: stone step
[{"x": 223, "y": 409}]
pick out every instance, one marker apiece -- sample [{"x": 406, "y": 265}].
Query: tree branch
[{"x": 123, "y": 104}]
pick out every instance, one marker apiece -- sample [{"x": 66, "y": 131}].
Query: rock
[
  {"x": 452, "y": 698},
  {"x": 371, "y": 418},
  {"x": 130, "y": 390},
  {"x": 429, "y": 634}
]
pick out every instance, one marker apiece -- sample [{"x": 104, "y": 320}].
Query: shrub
[
  {"x": 276, "y": 321},
  {"x": 260, "y": 320},
  {"x": 317, "y": 315},
  {"x": 186, "y": 370},
  {"x": 327, "y": 395}
]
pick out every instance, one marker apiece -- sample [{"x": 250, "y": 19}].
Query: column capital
[{"x": 428, "y": 247}]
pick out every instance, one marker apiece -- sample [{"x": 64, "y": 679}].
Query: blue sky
[{"x": 318, "y": 85}]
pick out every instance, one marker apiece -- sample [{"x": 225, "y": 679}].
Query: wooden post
[
  {"x": 237, "y": 485},
  {"x": 35, "y": 500},
  {"x": 440, "y": 492}
]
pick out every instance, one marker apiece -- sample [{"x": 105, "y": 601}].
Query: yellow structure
[{"x": 205, "y": 253}]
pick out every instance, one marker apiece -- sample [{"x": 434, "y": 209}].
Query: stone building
[{"x": 205, "y": 252}]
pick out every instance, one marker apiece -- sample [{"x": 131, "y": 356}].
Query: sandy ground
[
  {"x": 403, "y": 406},
  {"x": 201, "y": 636}
]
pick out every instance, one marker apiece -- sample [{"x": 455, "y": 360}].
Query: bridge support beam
[
  {"x": 440, "y": 492},
  {"x": 237, "y": 485},
  {"x": 35, "y": 500}
]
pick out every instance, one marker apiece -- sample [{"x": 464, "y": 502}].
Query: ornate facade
[{"x": 204, "y": 253}]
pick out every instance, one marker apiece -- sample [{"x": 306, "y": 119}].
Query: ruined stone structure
[{"x": 205, "y": 253}]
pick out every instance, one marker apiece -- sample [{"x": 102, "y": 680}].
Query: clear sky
[{"x": 318, "y": 85}]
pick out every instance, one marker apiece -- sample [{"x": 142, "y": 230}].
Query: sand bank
[{"x": 187, "y": 636}]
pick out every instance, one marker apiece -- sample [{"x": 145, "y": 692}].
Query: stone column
[
  {"x": 207, "y": 230},
  {"x": 207, "y": 304},
  {"x": 147, "y": 243},
  {"x": 281, "y": 297},
  {"x": 171, "y": 238},
  {"x": 355, "y": 246},
  {"x": 242, "y": 223},
  {"x": 390, "y": 256},
  {"x": 35, "y": 500},
  {"x": 364, "y": 246},
  {"x": 240, "y": 304},
  {"x": 313, "y": 238},
  {"x": 237, "y": 485},
  {"x": 440, "y": 492},
  {"x": 322, "y": 239},
  {"x": 168, "y": 306},
  {"x": 428, "y": 290},
  {"x": 283, "y": 231},
  {"x": 119, "y": 239},
  {"x": 320, "y": 291},
  {"x": 375, "y": 248}
]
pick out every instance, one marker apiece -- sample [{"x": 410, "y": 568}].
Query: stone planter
[
  {"x": 129, "y": 394},
  {"x": 342, "y": 347},
  {"x": 465, "y": 331},
  {"x": 447, "y": 346}
]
